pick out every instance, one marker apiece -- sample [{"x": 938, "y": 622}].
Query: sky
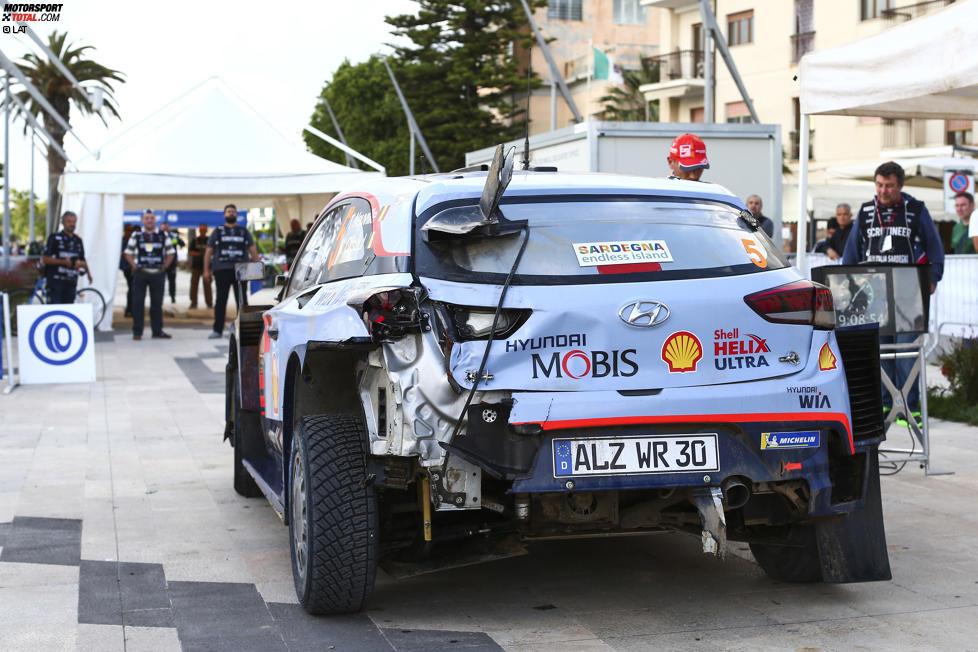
[{"x": 277, "y": 56}]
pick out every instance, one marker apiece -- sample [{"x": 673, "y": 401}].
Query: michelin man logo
[
  {"x": 807, "y": 439},
  {"x": 58, "y": 338}
]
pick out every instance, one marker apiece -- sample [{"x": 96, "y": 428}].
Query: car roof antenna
[
  {"x": 526, "y": 118},
  {"x": 424, "y": 171}
]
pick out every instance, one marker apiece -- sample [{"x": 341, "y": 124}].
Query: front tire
[{"x": 333, "y": 522}]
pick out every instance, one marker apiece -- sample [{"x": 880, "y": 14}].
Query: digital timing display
[{"x": 860, "y": 298}]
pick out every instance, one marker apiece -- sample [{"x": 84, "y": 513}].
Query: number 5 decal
[{"x": 756, "y": 255}]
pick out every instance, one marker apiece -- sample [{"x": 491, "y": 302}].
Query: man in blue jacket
[{"x": 896, "y": 228}]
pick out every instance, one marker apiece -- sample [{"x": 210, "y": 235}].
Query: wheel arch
[{"x": 319, "y": 382}]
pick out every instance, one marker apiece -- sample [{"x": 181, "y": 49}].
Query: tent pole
[
  {"x": 801, "y": 236},
  {"x": 30, "y": 240},
  {"x": 707, "y": 76},
  {"x": 554, "y": 71},
  {"x": 553, "y": 106},
  {"x": 6, "y": 175},
  {"x": 350, "y": 161},
  {"x": 412, "y": 123},
  {"x": 411, "y": 153}
]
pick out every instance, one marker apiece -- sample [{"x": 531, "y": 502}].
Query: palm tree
[
  {"x": 625, "y": 103},
  {"x": 61, "y": 93}
]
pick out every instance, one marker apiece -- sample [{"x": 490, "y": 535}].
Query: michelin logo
[{"x": 772, "y": 440}]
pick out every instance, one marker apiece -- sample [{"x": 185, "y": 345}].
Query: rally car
[{"x": 461, "y": 363}]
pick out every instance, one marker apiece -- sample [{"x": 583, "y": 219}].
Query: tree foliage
[
  {"x": 20, "y": 216},
  {"x": 368, "y": 112},
  {"x": 61, "y": 94},
  {"x": 459, "y": 74},
  {"x": 626, "y": 103}
]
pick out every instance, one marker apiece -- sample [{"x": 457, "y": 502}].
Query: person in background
[
  {"x": 837, "y": 245},
  {"x": 124, "y": 266},
  {"x": 149, "y": 252},
  {"x": 171, "y": 271},
  {"x": 227, "y": 245},
  {"x": 973, "y": 233},
  {"x": 64, "y": 260},
  {"x": 822, "y": 246},
  {"x": 687, "y": 158},
  {"x": 964, "y": 206},
  {"x": 754, "y": 205},
  {"x": 293, "y": 240},
  {"x": 896, "y": 228},
  {"x": 198, "y": 244}
]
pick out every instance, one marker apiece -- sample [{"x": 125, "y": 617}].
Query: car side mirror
[
  {"x": 281, "y": 280},
  {"x": 249, "y": 271}
]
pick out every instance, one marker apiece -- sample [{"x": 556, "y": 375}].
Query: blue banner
[{"x": 185, "y": 219}]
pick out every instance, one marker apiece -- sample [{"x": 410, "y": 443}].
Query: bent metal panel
[{"x": 56, "y": 344}]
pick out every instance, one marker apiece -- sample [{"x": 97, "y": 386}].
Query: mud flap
[{"x": 852, "y": 548}]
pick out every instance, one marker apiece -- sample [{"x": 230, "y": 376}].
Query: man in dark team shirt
[
  {"x": 64, "y": 260},
  {"x": 896, "y": 228}
]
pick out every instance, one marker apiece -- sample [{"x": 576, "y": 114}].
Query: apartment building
[
  {"x": 767, "y": 38},
  {"x": 623, "y": 29}
]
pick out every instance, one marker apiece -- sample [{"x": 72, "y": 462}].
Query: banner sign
[
  {"x": 55, "y": 343},
  {"x": 956, "y": 181}
]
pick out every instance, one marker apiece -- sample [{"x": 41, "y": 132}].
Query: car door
[{"x": 281, "y": 334}]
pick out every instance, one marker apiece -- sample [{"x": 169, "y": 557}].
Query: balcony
[
  {"x": 670, "y": 4},
  {"x": 679, "y": 74},
  {"x": 681, "y": 64},
  {"x": 801, "y": 44},
  {"x": 897, "y": 15}
]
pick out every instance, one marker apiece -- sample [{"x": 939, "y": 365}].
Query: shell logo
[
  {"x": 681, "y": 351},
  {"x": 826, "y": 359}
]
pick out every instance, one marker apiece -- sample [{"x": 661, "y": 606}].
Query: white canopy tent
[
  {"x": 205, "y": 149},
  {"x": 924, "y": 172},
  {"x": 921, "y": 69}
]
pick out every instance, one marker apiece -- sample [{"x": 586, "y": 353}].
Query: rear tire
[
  {"x": 333, "y": 521},
  {"x": 244, "y": 484},
  {"x": 791, "y": 563}
]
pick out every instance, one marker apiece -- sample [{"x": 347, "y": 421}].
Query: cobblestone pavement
[{"x": 119, "y": 530}]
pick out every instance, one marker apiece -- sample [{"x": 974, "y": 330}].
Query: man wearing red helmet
[{"x": 687, "y": 158}]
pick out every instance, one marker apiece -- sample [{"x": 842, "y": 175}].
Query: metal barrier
[
  {"x": 919, "y": 432},
  {"x": 954, "y": 306}
]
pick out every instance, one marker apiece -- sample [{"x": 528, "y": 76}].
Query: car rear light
[
  {"x": 390, "y": 315},
  {"x": 476, "y": 323},
  {"x": 799, "y": 302}
]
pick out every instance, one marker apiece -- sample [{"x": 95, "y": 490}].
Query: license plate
[{"x": 635, "y": 455}]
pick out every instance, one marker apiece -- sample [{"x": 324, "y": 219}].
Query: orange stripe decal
[
  {"x": 375, "y": 212},
  {"x": 698, "y": 418}
]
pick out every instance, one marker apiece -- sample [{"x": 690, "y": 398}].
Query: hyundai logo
[{"x": 644, "y": 314}]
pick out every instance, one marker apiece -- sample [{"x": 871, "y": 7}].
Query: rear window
[{"x": 603, "y": 241}]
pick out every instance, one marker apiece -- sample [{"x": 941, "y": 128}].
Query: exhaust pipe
[{"x": 735, "y": 493}]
